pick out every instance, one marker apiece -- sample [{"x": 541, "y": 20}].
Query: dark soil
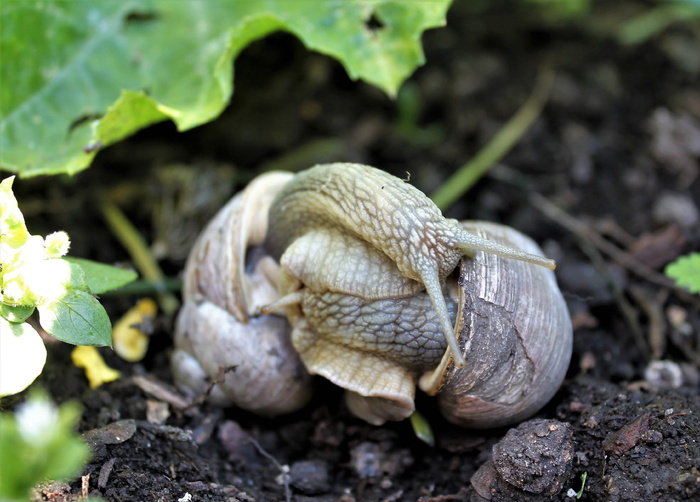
[{"x": 617, "y": 147}]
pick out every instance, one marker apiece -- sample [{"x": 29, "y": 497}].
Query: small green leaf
[
  {"x": 100, "y": 277},
  {"x": 422, "y": 428},
  {"x": 584, "y": 477},
  {"x": 76, "y": 278},
  {"x": 17, "y": 313},
  {"x": 77, "y": 318},
  {"x": 686, "y": 272}
]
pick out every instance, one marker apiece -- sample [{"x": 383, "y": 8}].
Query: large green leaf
[{"x": 78, "y": 76}]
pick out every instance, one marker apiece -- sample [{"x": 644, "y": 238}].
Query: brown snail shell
[{"x": 515, "y": 334}]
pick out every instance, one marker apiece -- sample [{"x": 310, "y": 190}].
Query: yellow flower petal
[
  {"x": 129, "y": 342},
  {"x": 96, "y": 370}
]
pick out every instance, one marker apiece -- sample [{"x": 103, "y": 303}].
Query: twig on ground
[
  {"x": 626, "y": 308},
  {"x": 219, "y": 379},
  {"x": 84, "y": 486},
  {"x": 284, "y": 469},
  {"x": 585, "y": 233},
  {"x": 652, "y": 305},
  {"x": 593, "y": 244},
  {"x": 161, "y": 391}
]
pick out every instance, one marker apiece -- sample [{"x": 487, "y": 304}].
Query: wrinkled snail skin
[
  {"x": 375, "y": 349},
  {"x": 395, "y": 218},
  {"x": 219, "y": 325}
]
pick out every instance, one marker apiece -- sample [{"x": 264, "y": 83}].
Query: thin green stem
[
  {"x": 471, "y": 172},
  {"x": 143, "y": 287},
  {"x": 135, "y": 244}
]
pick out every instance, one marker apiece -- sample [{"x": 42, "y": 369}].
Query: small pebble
[
  {"x": 311, "y": 477},
  {"x": 370, "y": 460},
  {"x": 664, "y": 375},
  {"x": 539, "y": 465},
  {"x": 652, "y": 436},
  {"x": 676, "y": 208}
]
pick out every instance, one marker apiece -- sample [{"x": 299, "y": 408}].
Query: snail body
[
  {"x": 514, "y": 332},
  {"x": 375, "y": 349},
  {"x": 359, "y": 268},
  {"x": 399, "y": 221}
]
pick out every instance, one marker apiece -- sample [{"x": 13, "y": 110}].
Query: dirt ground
[{"x": 617, "y": 149}]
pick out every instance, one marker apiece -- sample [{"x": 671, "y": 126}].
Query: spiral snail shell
[{"x": 227, "y": 278}]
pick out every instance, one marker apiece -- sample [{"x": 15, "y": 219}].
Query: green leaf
[
  {"x": 653, "y": 21},
  {"x": 22, "y": 357},
  {"x": 421, "y": 428},
  {"x": 77, "y": 278},
  {"x": 79, "y": 76},
  {"x": 584, "y": 477},
  {"x": 16, "y": 313},
  {"x": 78, "y": 318},
  {"x": 100, "y": 277},
  {"x": 564, "y": 8},
  {"x": 686, "y": 272}
]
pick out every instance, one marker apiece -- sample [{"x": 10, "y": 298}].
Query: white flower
[
  {"x": 37, "y": 421},
  {"x": 22, "y": 356}
]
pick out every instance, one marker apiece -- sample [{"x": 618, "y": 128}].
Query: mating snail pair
[{"x": 347, "y": 272}]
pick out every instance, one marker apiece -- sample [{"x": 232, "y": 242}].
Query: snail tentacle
[
  {"x": 433, "y": 287},
  {"x": 468, "y": 243}
]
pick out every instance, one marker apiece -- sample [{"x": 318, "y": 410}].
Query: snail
[{"x": 364, "y": 267}]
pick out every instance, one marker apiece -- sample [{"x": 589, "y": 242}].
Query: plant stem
[
  {"x": 471, "y": 172},
  {"x": 145, "y": 287},
  {"x": 134, "y": 243}
]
